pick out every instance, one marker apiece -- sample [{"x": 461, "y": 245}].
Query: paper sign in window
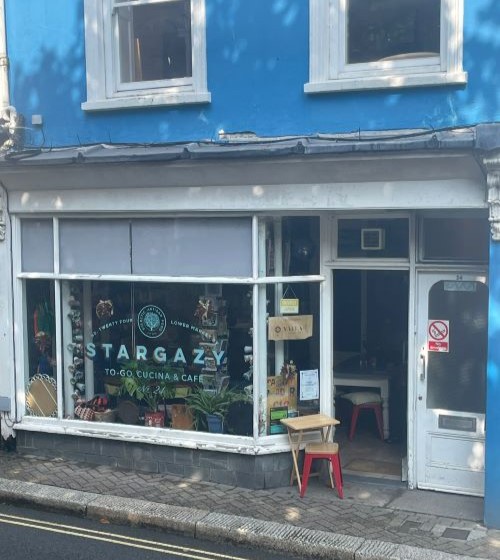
[{"x": 309, "y": 384}]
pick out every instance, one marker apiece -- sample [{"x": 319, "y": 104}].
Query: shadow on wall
[
  {"x": 8, "y": 444},
  {"x": 242, "y": 50},
  {"x": 257, "y": 57},
  {"x": 482, "y": 57},
  {"x": 430, "y": 107},
  {"x": 50, "y": 80},
  {"x": 479, "y": 100}
]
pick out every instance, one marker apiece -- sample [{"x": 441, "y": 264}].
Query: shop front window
[
  {"x": 169, "y": 353},
  {"x": 293, "y": 357},
  {"x": 160, "y": 355}
]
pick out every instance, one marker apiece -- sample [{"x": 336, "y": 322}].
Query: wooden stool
[
  {"x": 362, "y": 401},
  {"x": 328, "y": 451}
]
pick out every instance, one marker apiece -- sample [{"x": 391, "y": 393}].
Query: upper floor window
[
  {"x": 372, "y": 44},
  {"x": 145, "y": 52}
]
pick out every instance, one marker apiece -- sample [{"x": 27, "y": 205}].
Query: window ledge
[
  {"x": 190, "y": 439},
  {"x": 141, "y": 101},
  {"x": 387, "y": 82}
]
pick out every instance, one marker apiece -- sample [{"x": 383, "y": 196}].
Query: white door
[{"x": 452, "y": 314}]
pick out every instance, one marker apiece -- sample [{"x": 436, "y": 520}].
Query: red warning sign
[{"x": 438, "y": 336}]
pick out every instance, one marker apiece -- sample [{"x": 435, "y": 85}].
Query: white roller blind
[
  {"x": 94, "y": 246},
  {"x": 37, "y": 246},
  {"x": 192, "y": 247}
]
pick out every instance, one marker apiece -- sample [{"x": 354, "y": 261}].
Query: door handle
[{"x": 422, "y": 371}]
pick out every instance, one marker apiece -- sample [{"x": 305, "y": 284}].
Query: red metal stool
[
  {"x": 328, "y": 451},
  {"x": 363, "y": 401}
]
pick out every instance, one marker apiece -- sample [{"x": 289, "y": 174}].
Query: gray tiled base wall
[{"x": 246, "y": 471}]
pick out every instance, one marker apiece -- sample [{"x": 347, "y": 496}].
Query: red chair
[
  {"x": 365, "y": 400},
  {"x": 329, "y": 451}
]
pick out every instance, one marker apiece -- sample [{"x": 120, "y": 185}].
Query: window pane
[
  {"x": 457, "y": 379},
  {"x": 94, "y": 246},
  {"x": 392, "y": 29},
  {"x": 37, "y": 246},
  {"x": 458, "y": 239},
  {"x": 293, "y": 347},
  {"x": 192, "y": 247},
  {"x": 301, "y": 245},
  {"x": 158, "y": 355},
  {"x": 292, "y": 245},
  {"x": 373, "y": 238},
  {"x": 154, "y": 41},
  {"x": 41, "y": 396}
]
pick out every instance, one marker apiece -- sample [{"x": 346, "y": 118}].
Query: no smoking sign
[{"x": 438, "y": 335}]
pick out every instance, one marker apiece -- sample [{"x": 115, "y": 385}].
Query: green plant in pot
[
  {"x": 152, "y": 393},
  {"x": 210, "y": 407}
]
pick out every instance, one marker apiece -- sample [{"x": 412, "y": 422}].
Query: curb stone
[
  {"x": 48, "y": 497},
  {"x": 202, "y": 524},
  {"x": 131, "y": 511},
  {"x": 278, "y": 537}
]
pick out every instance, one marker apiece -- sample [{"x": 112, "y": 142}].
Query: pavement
[{"x": 375, "y": 520}]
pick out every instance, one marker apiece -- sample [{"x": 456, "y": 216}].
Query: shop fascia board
[
  {"x": 149, "y": 202},
  {"x": 322, "y": 183}
]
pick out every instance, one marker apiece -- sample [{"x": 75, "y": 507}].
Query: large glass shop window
[{"x": 161, "y": 355}]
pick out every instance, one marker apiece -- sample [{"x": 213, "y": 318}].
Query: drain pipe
[{"x": 4, "y": 61}]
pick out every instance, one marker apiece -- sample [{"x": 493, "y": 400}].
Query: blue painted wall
[
  {"x": 492, "y": 489},
  {"x": 257, "y": 55}
]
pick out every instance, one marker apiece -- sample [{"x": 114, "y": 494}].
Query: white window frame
[
  {"x": 247, "y": 445},
  {"x": 104, "y": 92},
  {"x": 328, "y": 70}
]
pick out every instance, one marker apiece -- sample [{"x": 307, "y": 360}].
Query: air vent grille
[{"x": 372, "y": 239}]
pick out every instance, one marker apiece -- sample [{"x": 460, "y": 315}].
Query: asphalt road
[{"x": 27, "y": 534}]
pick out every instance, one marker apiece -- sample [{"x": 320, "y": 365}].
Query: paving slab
[{"x": 439, "y": 503}]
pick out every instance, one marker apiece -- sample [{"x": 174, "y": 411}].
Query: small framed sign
[
  {"x": 289, "y": 303},
  {"x": 289, "y": 306}
]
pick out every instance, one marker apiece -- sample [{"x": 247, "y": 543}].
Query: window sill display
[
  {"x": 75, "y": 347},
  {"x": 96, "y": 409},
  {"x": 41, "y": 396},
  {"x": 210, "y": 407},
  {"x": 152, "y": 394}
]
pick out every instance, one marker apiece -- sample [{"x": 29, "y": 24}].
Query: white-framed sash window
[
  {"x": 375, "y": 44},
  {"x": 145, "y": 52}
]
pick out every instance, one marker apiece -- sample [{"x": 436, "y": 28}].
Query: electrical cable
[{"x": 334, "y": 138}]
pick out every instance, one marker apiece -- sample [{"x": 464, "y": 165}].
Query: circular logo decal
[{"x": 151, "y": 321}]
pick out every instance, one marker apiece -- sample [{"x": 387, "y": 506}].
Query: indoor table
[{"x": 297, "y": 427}]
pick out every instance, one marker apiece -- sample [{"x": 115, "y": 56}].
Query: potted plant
[
  {"x": 152, "y": 393},
  {"x": 210, "y": 407}
]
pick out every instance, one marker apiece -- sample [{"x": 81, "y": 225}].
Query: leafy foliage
[{"x": 203, "y": 402}]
